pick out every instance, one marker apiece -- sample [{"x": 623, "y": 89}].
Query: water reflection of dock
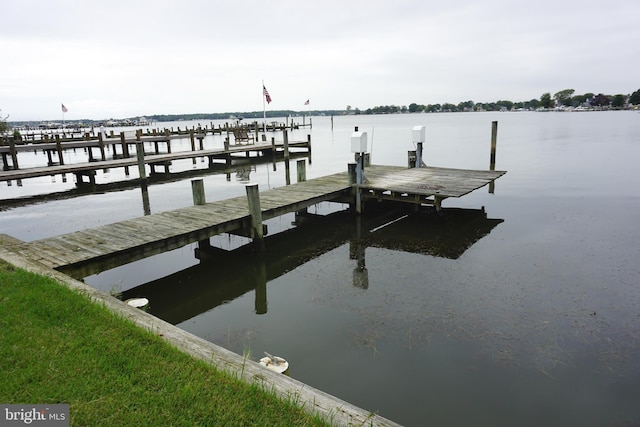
[{"x": 187, "y": 293}]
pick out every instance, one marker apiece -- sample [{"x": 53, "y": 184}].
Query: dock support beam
[
  {"x": 253, "y": 197},
  {"x": 492, "y": 162}
]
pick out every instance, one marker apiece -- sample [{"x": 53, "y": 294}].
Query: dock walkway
[{"x": 145, "y": 236}]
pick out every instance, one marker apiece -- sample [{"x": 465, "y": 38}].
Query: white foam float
[
  {"x": 275, "y": 363},
  {"x": 138, "y": 302}
]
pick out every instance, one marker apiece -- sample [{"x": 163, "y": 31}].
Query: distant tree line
[
  {"x": 564, "y": 99},
  {"x": 257, "y": 115}
]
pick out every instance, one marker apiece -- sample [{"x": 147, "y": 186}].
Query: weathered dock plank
[{"x": 430, "y": 181}]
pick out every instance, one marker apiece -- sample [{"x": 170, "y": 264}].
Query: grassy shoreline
[{"x": 57, "y": 346}]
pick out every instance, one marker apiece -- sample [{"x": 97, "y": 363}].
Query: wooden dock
[
  {"x": 154, "y": 160},
  {"x": 139, "y": 238},
  {"x": 55, "y": 147}
]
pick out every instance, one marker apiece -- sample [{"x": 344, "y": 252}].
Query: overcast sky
[{"x": 119, "y": 58}]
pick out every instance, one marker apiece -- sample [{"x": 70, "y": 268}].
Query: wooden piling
[
  {"x": 14, "y": 154},
  {"x": 359, "y": 181},
  {"x": 140, "y": 155},
  {"x": 286, "y": 144},
  {"x": 59, "y": 150},
  {"x": 167, "y": 133},
  {"x": 492, "y": 161},
  {"x": 193, "y": 144},
  {"x": 253, "y": 197},
  {"x": 494, "y": 143},
  {"x": 302, "y": 170},
  {"x": 419, "y": 155},
  {"x": 411, "y": 159},
  {"x": 125, "y": 147},
  {"x": 197, "y": 190},
  {"x": 273, "y": 152},
  {"x": 101, "y": 145}
]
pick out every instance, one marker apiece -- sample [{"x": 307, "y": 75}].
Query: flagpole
[{"x": 264, "y": 108}]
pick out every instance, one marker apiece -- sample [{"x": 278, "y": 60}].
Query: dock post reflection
[
  {"x": 260, "y": 274},
  {"x": 357, "y": 249}
]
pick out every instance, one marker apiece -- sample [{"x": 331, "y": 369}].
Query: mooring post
[
  {"x": 59, "y": 149},
  {"x": 253, "y": 197},
  {"x": 14, "y": 153},
  {"x": 255, "y": 126},
  {"x": 287, "y": 167},
  {"x": 359, "y": 147},
  {"x": 492, "y": 162},
  {"x": 101, "y": 145},
  {"x": 302, "y": 170},
  {"x": 411, "y": 159},
  {"x": 273, "y": 152},
  {"x": 494, "y": 142},
  {"x": 197, "y": 190},
  {"x": 309, "y": 146},
  {"x": 286, "y": 144},
  {"x": 167, "y": 133},
  {"x": 193, "y": 144},
  {"x": 140, "y": 156},
  {"x": 419, "y": 133},
  {"x": 125, "y": 147}
]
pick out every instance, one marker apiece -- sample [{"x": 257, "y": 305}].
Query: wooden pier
[
  {"x": 155, "y": 161},
  {"x": 138, "y": 238},
  {"x": 55, "y": 146},
  {"x": 37, "y": 135}
]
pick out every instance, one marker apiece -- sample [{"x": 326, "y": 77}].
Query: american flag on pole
[
  {"x": 266, "y": 94},
  {"x": 64, "y": 109},
  {"x": 306, "y": 102}
]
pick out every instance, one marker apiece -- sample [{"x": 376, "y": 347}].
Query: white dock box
[
  {"x": 419, "y": 134},
  {"x": 359, "y": 142}
]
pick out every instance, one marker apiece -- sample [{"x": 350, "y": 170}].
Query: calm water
[{"x": 530, "y": 316}]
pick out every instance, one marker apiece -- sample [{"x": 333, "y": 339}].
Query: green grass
[{"x": 56, "y": 346}]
